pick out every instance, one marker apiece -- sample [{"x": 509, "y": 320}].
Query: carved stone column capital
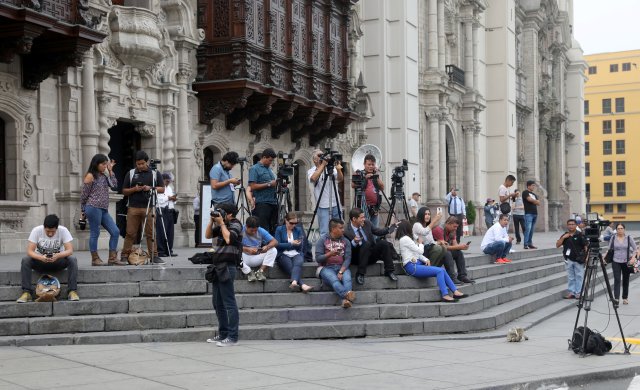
[{"x": 184, "y": 75}]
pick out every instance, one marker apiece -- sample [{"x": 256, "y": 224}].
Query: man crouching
[
  {"x": 49, "y": 249},
  {"x": 333, "y": 254}
]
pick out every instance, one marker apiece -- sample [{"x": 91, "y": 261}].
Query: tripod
[
  {"x": 242, "y": 204},
  {"x": 587, "y": 294},
  {"x": 152, "y": 205},
  {"x": 328, "y": 177},
  {"x": 283, "y": 196},
  {"x": 397, "y": 192}
]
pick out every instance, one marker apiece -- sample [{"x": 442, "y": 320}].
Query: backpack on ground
[{"x": 596, "y": 344}]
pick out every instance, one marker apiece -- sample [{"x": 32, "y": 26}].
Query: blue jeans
[
  {"x": 575, "y": 274},
  {"x": 420, "y": 270},
  {"x": 374, "y": 220},
  {"x": 100, "y": 217},
  {"x": 324, "y": 214},
  {"x": 224, "y": 303},
  {"x": 292, "y": 266},
  {"x": 529, "y": 226},
  {"x": 329, "y": 274},
  {"x": 499, "y": 248}
]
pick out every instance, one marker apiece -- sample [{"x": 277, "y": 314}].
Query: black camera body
[
  {"x": 592, "y": 232},
  {"x": 82, "y": 223},
  {"x": 217, "y": 212},
  {"x": 331, "y": 156},
  {"x": 399, "y": 172},
  {"x": 242, "y": 159},
  {"x": 153, "y": 163}
]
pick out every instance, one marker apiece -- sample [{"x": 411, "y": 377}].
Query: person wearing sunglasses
[{"x": 291, "y": 248}]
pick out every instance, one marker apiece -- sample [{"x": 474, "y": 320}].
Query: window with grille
[
  {"x": 626, "y": 66},
  {"x": 619, "y": 125},
  {"x": 621, "y": 189},
  {"x": 606, "y": 127},
  {"x": 622, "y": 208},
  {"x": 608, "y": 208},
  {"x": 613, "y": 68},
  {"x": 606, "y": 147},
  {"x": 587, "y": 169},
  {"x": 619, "y": 104},
  {"x": 593, "y": 69},
  {"x": 608, "y": 189},
  {"x": 586, "y": 107},
  {"x": 621, "y": 168},
  {"x": 607, "y": 168},
  {"x": 586, "y": 128},
  {"x": 606, "y": 106},
  {"x": 619, "y": 146}
]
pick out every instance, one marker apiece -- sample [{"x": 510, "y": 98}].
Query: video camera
[
  {"x": 285, "y": 165},
  {"x": 242, "y": 160},
  {"x": 153, "y": 164},
  {"x": 399, "y": 172},
  {"x": 592, "y": 232},
  {"x": 331, "y": 156}
]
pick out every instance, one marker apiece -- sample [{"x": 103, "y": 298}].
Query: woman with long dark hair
[
  {"x": 624, "y": 248},
  {"x": 433, "y": 250},
  {"x": 291, "y": 250},
  {"x": 94, "y": 203},
  {"x": 417, "y": 265}
]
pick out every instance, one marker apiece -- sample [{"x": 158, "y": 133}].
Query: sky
[{"x": 602, "y": 26}]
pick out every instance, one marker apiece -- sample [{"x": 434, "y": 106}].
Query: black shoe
[
  {"x": 360, "y": 279},
  {"x": 526, "y": 247},
  {"x": 465, "y": 279},
  {"x": 174, "y": 254},
  {"x": 517, "y": 242},
  {"x": 158, "y": 260},
  {"x": 160, "y": 254},
  {"x": 391, "y": 276},
  {"x": 457, "y": 282},
  {"x": 533, "y": 247}
]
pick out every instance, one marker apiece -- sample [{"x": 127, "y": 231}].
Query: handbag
[
  {"x": 176, "y": 213},
  {"x": 217, "y": 273},
  {"x": 608, "y": 257},
  {"x": 138, "y": 257}
]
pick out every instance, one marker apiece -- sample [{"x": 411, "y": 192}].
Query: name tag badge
[{"x": 568, "y": 252}]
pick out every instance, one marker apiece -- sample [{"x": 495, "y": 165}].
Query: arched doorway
[
  {"x": 124, "y": 143},
  {"x": 211, "y": 156},
  {"x": 3, "y": 163}
]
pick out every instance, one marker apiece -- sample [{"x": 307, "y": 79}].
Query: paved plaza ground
[{"x": 481, "y": 360}]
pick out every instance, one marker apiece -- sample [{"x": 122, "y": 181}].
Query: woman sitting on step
[
  {"x": 416, "y": 264},
  {"x": 291, "y": 249}
]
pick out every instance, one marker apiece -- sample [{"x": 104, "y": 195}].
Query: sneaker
[
  {"x": 346, "y": 304},
  {"x": 351, "y": 296},
  {"x": 251, "y": 277},
  {"x": 25, "y": 297},
  {"x": 157, "y": 260},
  {"x": 215, "y": 339},
  {"x": 73, "y": 296},
  {"x": 506, "y": 260},
  {"x": 260, "y": 276},
  {"x": 227, "y": 343},
  {"x": 533, "y": 247},
  {"x": 501, "y": 261}
]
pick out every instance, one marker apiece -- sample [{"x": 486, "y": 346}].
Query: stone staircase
[{"x": 153, "y": 303}]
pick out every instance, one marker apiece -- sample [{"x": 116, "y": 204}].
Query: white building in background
[{"x": 499, "y": 90}]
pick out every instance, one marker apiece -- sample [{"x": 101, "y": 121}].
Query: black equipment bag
[
  {"x": 505, "y": 208},
  {"x": 596, "y": 344}
]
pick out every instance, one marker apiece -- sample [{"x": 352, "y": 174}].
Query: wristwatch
[
  {"x": 269, "y": 184},
  {"x": 340, "y": 272}
]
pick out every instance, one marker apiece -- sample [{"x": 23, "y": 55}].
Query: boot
[
  {"x": 113, "y": 259},
  {"x": 95, "y": 260}
]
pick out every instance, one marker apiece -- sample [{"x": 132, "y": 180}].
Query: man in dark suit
[{"x": 362, "y": 235}]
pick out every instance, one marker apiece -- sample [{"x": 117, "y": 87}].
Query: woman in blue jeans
[
  {"x": 291, "y": 249},
  {"x": 417, "y": 265},
  {"x": 94, "y": 202}
]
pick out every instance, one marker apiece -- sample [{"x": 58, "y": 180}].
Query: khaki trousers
[{"x": 135, "y": 218}]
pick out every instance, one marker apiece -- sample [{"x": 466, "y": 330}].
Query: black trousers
[
  {"x": 620, "y": 268},
  {"x": 459, "y": 229},
  {"x": 196, "y": 219},
  {"x": 369, "y": 253},
  {"x": 267, "y": 213},
  {"x": 164, "y": 245},
  {"x": 518, "y": 223},
  {"x": 70, "y": 263},
  {"x": 461, "y": 264}
]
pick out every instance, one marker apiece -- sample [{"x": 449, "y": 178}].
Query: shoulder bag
[{"x": 608, "y": 258}]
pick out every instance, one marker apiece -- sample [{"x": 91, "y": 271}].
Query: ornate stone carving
[
  {"x": 29, "y": 129},
  {"x": 199, "y": 155},
  {"x": 74, "y": 161},
  {"x": 184, "y": 74},
  {"x": 26, "y": 180},
  {"x": 135, "y": 36},
  {"x": 103, "y": 124},
  {"x": 167, "y": 140},
  {"x": 146, "y": 130}
]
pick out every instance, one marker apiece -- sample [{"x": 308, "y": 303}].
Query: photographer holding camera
[
  {"x": 262, "y": 182},
  {"x": 221, "y": 180},
  {"x": 329, "y": 206},
  {"x": 228, "y": 247},
  {"x": 138, "y": 185},
  {"x": 49, "y": 249},
  {"x": 372, "y": 186}
]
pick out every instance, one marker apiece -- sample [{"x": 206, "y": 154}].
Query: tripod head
[{"x": 397, "y": 180}]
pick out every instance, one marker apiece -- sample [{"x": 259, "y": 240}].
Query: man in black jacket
[
  {"x": 362, "y": 235},
  {"x": 226, "y": 231}
]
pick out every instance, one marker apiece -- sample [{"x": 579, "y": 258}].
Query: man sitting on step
[
  {"x": 365, "y": 249},
  {"x": 333, "y": 254},
  {"x": 258, "y": 249},
  {"x": 49, "y": 249},
  {"x": 448, "y": 236},
  {"x": 497, "y": 241}
]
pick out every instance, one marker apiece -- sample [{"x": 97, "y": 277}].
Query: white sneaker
[
  {"x": 227, "y": 343},
  {"x": 215, "y": 339}
]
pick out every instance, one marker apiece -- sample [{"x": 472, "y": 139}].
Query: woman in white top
[
  {"x": 416, "y": 264},
  {"x": 291, "y": 247},
  {"x": 422, "y": 229}
]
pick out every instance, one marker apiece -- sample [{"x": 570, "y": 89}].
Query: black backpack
[
  {"x": 596, "y": 344},
  {"x": 505, "y": 208}
]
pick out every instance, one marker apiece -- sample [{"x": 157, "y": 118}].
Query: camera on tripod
[
  {"x": 153, "y": 164},
  {"x": 217, "y": 212},
  {"x": 592, "y": 233},
  {"x": 399, "y": 172},
  {"x": 285, "y": 165},
  {"x": 242, "y": 159},
  {"x": 331, "y": 157}
]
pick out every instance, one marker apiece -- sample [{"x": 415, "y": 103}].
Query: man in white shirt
[
  {"x": 414, "y": 205},
  {"x": 505, "y": 195},
  {"x": 329, "y": 206},
  {"x": 164, "y": 218},
  {"x": 497, "y": 241},
  {"x": 456, "y": 209}
]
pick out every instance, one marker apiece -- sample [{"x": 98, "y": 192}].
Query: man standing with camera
[
  {"x": 372, "y": 185},
  {"x": 221, "y": 180},
  {"x": 49, "y": 249},
  {"x": 138, "y": 185},
  {"x": 574, "y": 248},
  {"x": 227, "y": 230},
  {"x": 263, "y": 182},
  {"x": 329, "y": 206}
]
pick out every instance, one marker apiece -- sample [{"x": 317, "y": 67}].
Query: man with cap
[
  {"x": 456, "y": 208},
  {"x": 263, "y": 182},
  {"x": 531, "y": 203},
  {"x": 164, "y": 221}
]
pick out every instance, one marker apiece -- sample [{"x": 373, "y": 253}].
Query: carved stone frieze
[
  {"x": 29, "y": 129},
  {"x": 146, "y": 130},
  {"x": 26, "y": 180},
  {"x": 199, "y": 156},
  {"x": 136, "y": 36}
]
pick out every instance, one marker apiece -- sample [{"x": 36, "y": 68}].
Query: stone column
[
  {"x": 433, "y": 34},
  {"x": 442, "y": 182},
  {"x": 476, "y": 68},
  {"x": 554, "y": 179},
  {"x": 89, "y": 133},
  {"x": 469, "y": 162},
  {"x": 183, "y": 178},
  {"x": 441, "y": 38},
  {"x": 468, "y": 53},
  {"x": 103, "y": 124},
  {"x": 434, "y": 157},
  {"x": 167, "y": 140},
  {"x": 476, "y": 164}
]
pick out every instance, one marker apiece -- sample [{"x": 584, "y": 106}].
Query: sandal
[
  {"x": 451, "y": 300},
  {"x": 294, "y": 286},
  {"x": 306, "y": 288},
  {"x": 462, "y": 295},
  {"x": 625, "y": 301}
]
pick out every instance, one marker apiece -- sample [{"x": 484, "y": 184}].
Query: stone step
[
  {"x": 491, "y": 318},
  {"x": 422, "y": 304}
]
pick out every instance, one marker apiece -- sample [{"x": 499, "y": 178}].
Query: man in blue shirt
[
  {"x": 221, "y": 181},
  {"x": 258, "y": 250},
  {"x": 262, "y": 181},
  {"x": 456, "y": 209}
]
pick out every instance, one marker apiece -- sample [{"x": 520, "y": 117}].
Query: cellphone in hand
[
  {"x": 139, "y": 184},
  {"x": 468, "y": 242},
  {"x": 439, "y": 210}
]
